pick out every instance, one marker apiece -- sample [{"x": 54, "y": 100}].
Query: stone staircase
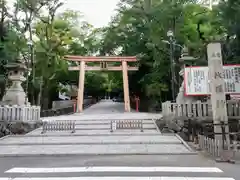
[{"x": 93, "y": 137}]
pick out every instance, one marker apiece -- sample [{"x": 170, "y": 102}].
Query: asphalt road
[{"x": 188, "y": 161}]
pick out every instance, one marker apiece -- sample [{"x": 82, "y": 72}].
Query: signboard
[{"x": 196, "y": 80}]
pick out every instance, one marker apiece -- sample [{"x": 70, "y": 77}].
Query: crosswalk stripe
[
  {"x": 114, "y": 169},
  {"x": 122, "y": 178}
]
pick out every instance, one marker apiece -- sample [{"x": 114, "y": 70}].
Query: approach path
[{"x": 93, "y": 152}]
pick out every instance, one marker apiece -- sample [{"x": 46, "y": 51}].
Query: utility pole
[
  {"x": 30, "y": 44},
  {"x": 172, "y": 62},
  {"x": 40, "y": 90},
  {"x": 32, "y": 62}
]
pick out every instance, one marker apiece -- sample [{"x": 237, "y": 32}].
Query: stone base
[
  {"x": 18, "y": 127},
  {"x": 15, "y": 95},
  {"x": 226, "y": 156}
]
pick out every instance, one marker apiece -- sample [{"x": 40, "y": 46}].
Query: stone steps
[
  {"x": 99, "y": 149},
  {"x": 97, "y": 139},
  {"x": 93, "y": 136},
  {"x": 37, "y": 132},
  {"x": 113, "y": 116},
  {"x": 99, "y": 122}
]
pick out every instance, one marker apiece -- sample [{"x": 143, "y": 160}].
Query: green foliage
[{"x": 139, "y": 28}]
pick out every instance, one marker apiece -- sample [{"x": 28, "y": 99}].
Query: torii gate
[{"x": 103, "y": 67}]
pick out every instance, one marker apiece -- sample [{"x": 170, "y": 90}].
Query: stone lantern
[
  {"x": 15, "y": 95},
  {"x": 185, "y": 60}
]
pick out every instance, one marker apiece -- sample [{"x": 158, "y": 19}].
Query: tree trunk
[{"x": 45, "y": 97}]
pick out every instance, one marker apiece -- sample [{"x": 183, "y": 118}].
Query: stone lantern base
[{"x": 15, "y": 95}]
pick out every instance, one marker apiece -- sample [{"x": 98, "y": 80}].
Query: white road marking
[
  {"x": 114, "y": 169},
  {"x": 124, "y": 178}
]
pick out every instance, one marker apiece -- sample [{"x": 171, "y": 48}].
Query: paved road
[{"x": 123, "y": 167}]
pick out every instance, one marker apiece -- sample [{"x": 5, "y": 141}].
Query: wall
[{"x": 62, "y": 104}]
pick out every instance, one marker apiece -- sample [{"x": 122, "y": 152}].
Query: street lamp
[
  {"x": 167, "y": 42},
  {"x": 170, "y": 34}
]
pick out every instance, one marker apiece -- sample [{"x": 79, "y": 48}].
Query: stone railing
[
  {"x": 199, "y": 109},
  {"x": 19, "y": 113},
  {"x": 65, "y": 125},
  {"x": 126, "y": 124}
]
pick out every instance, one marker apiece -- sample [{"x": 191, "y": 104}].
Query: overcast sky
[{"x": 96, "y": 12}]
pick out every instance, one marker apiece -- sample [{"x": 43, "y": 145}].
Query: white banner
[{"x": 196, "y": 80}]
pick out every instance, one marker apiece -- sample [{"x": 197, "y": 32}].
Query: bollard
[
  {"x": 111, "y": 126},
  {"x": 141, "y": 126},
  {"x": 74, "y": 107},
  {"x": 73, "y": 127},
  {"x": 137, "y": 103},
  {"x": 44, "y": 127}
]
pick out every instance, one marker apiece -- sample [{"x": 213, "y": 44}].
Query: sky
[{"x": 96, "y": 12}]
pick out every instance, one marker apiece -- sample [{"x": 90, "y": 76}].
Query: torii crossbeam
[{"x": 103, "y": 67}]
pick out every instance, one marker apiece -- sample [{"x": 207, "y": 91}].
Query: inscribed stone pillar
[{"x": 217, "y": 89}]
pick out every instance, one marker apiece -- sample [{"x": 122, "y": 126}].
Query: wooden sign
[{"x": 196, "y": 80}]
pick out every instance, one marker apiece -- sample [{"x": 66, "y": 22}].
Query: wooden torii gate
[{"x": 102, "y": 67}]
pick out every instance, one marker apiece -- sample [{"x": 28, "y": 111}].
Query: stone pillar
[
  {"x": 81, "y": 86},
  {"x": 217, "y": 89},
  {"x": 125, "y": 86}
]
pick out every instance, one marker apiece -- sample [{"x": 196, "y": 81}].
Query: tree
[
  {"x": 227, "y": 20},
  {"x": 139, "y": 29},
  {"x": 94, "y": 84},
  {"x": 55, "y": 33}
]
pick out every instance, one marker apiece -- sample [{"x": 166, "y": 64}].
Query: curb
[
  {"x": 154, "y": 121},
  {"x": 185, "y": 144},
  {"x": 92, "y": 154},
  {"x": 91, "y": 143},
  {"x": 94, "y": 134},
  {"x": 7, "y": 136}
]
